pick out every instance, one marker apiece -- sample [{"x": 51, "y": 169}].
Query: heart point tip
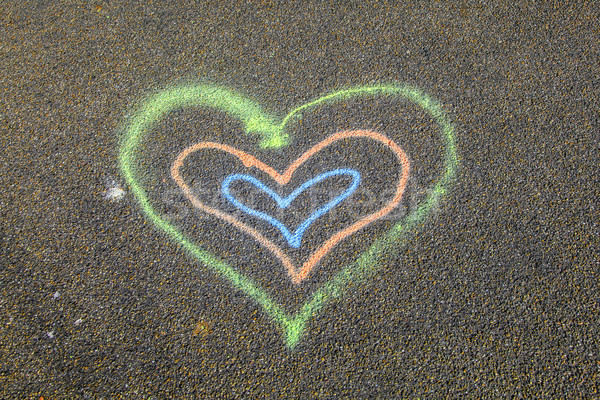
[{"x": 293, "y": 337}]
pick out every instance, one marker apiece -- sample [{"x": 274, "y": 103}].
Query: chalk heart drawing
[
  {"x": 297, "y": 275},
  {"x": 272, "y": 134},
  {"x": 293, "y": 239}
]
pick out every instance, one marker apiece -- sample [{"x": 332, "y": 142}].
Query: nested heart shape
[
  {"x": 273, "y": 134},
  {"x": 296, "y": 274},
  {"x": 293, "y": 239}
]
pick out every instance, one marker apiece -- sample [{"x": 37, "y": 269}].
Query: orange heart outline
[{"x": 282, "y": 179}]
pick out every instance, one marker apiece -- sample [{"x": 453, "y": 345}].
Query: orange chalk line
[{"x": 282, "y": 179}]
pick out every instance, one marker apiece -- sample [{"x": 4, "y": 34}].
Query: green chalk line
[{"x": 272, "y": 134}]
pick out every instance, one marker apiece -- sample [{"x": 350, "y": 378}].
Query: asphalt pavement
[{"x": 122, "y": 276}]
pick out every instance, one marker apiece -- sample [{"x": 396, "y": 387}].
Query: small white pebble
[
  {"x": 79, "y": 321},
  {"x": 115, "y": 193},
  {"x": 50, "y": 334},
  {"x": 56, "y": 295}
]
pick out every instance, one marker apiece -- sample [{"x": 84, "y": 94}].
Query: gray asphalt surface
[{"x": 496, "y": 297}]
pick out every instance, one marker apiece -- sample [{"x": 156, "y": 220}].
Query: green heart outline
[{"x": 272, "y": 133}]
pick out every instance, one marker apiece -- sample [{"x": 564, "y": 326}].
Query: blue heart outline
[{"x": 294, "y": 239}]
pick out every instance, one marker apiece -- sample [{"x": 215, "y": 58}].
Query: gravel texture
[{"x": 497, "y": 296}]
